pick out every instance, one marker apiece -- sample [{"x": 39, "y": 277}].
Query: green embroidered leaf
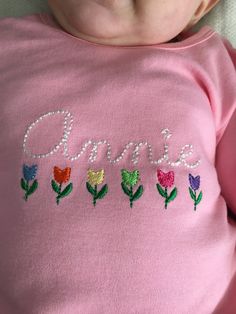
[
  {"x": 66, "y": 191},
  {"x": 126, "y": 190},
  {"x": 90, "y": 189},
  {"x": 172, "y": 195},
  {"x": 137, "y": 194},
  {"x": 199, "y": 198},
  {"x": 192, "y": 194},
  {"x": 33, "y": 187},
  {"x": 161, "y": 191},
  {"x": 55, "y": 187},
  {"x": 24, "y": 184},
  {"x": 102, "y": 192},
  {"x": 130, "y": 177}
]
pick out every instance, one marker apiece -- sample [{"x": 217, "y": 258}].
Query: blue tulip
[{"x": 29, "y": 173}]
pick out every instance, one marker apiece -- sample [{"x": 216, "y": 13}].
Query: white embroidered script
[{"x": 185, "y": 152}]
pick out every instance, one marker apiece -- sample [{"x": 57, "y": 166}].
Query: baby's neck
[{"x": 175, "y": 39}]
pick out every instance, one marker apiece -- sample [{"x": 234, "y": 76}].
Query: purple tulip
[{"x": 194, "y": 182}]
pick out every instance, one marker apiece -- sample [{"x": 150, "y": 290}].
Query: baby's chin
[{"x": 109, "y": 28}]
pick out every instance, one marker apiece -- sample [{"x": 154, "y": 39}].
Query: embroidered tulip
[
  {"x": 194, "y": 182},
  {"x": 194, "y": 186},
  {"x": 95, "y": 178},
  {"x": 129, "y": 180},
  {"x": 166, "y": 180},
  {"x": 29, "y": 174},
  {"x": 61, "y": 176}
]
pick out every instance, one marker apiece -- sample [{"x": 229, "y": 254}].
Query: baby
[{"x": 118, "y": 160}]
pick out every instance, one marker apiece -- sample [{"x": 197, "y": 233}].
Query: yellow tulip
[{"x": 95, "y": 177}]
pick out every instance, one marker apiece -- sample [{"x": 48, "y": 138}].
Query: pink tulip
[{"x": 166, "y": 179}]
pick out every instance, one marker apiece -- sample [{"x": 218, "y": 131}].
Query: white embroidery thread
[{"x": 185, "y": 152}]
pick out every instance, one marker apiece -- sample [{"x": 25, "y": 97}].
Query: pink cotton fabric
[{"x": 74, "y": 257}]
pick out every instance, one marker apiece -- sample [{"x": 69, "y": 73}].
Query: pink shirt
[{"x": 116, "y": 166}]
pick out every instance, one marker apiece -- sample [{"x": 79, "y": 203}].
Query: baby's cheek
[{"x": 160, "y": 21}]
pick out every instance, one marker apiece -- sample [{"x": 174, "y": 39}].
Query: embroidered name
[{"x": 185, "y": 152}]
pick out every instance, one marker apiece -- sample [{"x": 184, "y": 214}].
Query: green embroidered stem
[
  {"x": 95, "y": 195},
  {"x": 166, "y": 202},
  {"x": 195, "y": 200},
  {"x": 27, "y": 190},
  {"x": 131, "y": 198},
  {"x": 164, "y": 194},
  {"x": 58, "y": 196}
]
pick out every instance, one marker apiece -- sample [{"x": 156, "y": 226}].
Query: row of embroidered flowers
[{"x": 129, "y": 180}]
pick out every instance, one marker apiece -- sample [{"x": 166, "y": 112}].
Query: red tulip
[{"x": 61, "y": 176}]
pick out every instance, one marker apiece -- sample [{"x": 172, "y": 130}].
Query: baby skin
[{"x": 129, "y": 22}]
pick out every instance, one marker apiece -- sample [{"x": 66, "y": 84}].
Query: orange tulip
[{"x": 62, "y": 176}]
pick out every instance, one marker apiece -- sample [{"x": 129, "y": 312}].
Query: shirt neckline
[{"x": 189, "y": 38}]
